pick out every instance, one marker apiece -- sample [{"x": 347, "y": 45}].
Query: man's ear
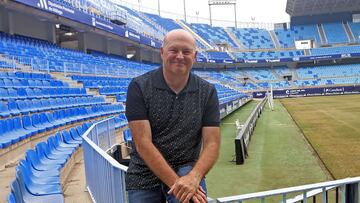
[{"x": 161, "y": 52}]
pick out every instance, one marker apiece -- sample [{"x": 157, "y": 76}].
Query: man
[{"x": 174, "y": 119}]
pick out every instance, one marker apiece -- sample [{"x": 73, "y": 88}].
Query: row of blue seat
[
  {"x": 15, "y": 129},
  {"x": 113, "y": 90},
  {"x": 29, "y": 93},
  {"x": 121, "y": 121},
  {"x": 38, "y": 175},
  {"x": 26, "y": 75},
  {"x": 16, "y": 107},
  {"x": 6, "y": 82},
  {"x": 121, "y": 98},
  {"x": 104, "y": 83}
]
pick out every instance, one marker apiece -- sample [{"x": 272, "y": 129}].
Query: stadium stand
[
  {"x": 50, "y": 95},
  {"x": 253, "y": 38},
  {"x": 287, "y": 37},
  {"x": 213, "y": 35},
  {"x": 355, "y": 29},
  {"x": 268, "y": 54},
  {"x": 335, "y": 33}
]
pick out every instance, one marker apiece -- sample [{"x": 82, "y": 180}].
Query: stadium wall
[
  {"x": 323, "y": 18},
  {"x": 95, "y": 42},
  {"x": 306, "y": 92},
  {"x": 17, "y": 23}
]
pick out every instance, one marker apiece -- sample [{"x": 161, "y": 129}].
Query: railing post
[
  {"x": 108, "y": 133},
  {"x": 324, "y": 196},
  {"x": 352, "y": 193}
]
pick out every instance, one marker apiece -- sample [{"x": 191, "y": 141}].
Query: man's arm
[
  {"x": 141, "y": 133},
  {"x": 186, "y": 186}
]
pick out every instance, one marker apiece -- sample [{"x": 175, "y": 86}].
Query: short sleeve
[
  {"x": 211, "y": 115},
  {"x": 135, "y": 103}
]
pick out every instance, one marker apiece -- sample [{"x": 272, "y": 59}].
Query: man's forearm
[
  {"x": 209, "y": 154},
  {"x": 157, "y": 164},
  {"x": 149, "y": 153}
]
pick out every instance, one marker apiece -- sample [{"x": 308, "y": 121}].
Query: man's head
[{"x": 178, "y": 52}]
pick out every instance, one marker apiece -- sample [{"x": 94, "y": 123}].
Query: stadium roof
[{"x": 316, "y": 7}]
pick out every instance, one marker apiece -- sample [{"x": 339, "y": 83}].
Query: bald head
[{"x": 179, "y": 34}]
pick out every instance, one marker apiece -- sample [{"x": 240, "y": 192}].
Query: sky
[{"x": 197, "y": 11}]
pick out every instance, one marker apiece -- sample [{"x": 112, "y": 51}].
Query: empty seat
[
  {"x": 127, "y": 135},
  {"x": 4, "y": 111}
]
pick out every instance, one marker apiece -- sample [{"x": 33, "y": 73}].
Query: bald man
[{"x": 174, "y": 119}]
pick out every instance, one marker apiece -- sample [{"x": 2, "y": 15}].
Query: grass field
[
  {"x": 279, "y": 156},
  {"x": 332, "y": 126}
]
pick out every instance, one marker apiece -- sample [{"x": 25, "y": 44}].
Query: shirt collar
[{"x": 160, "y": 82}]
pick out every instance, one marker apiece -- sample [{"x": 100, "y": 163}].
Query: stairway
[
  {"x": 240, "y": 46},
  {"x": 159, "y": 27},
  {"x": 274, "y": 39},
  {"x": 349, "y": 33},
  {"x": 201, "y": 40},
  {"x": 75, "y": 84},
  {"x": 323, "y": 38},
  {"x": 276, "y": 74},
  {"x": 16, "y": 64}
]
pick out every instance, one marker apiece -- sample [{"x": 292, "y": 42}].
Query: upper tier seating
[
  {"x": 168, "y": 24},
  {"x": 27, "y": 50},
  {"x": 335, "y": 50},
  {"x": 253, "y": 38},
  {"x": 218, "y": 56},
  {"x": 260, "y": 73},
  {"x": 355, "y": 28},
  {"x": 269, "y": 54},
  {"x": 282, "y": 70},
  {"x": 287, "y": 37},
  {"x": 335, "y": 33},
  {"x": 213, "y": 35},
  {"x": 141, "y": 24},
  {"x": 335, "y": 71}
]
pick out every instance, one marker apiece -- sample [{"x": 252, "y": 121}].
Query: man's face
[{"x": 178, "y": 54}]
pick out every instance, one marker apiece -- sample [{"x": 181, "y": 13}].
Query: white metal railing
[
  {"x": 105, "y": 177},
  {"x": 349, "y": 192}
]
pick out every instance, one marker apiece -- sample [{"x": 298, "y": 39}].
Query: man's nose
[{"x": 180, "y": 54}]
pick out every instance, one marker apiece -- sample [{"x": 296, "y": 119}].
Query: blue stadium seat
[
  {"x": 43, "y": 177},
  {"x": 4, "y": 111},
  {"x": 12, "y": 93},
  {"x": 4, "y": 93},
  {"x": 37, "y": 123},
  {"x": 15, "y": 189},
  {"x": 41, "y": 193},
  {"x": 49, "y": 158},
  {"x": 11, "y": 198},
  {"x": 27, "y": 125},
  {"x": 68, "y": 139},
  {"x": 61, "y": 145},
  {"x": 39, "y": 165},
  {"x": 127, "y": 135},
  {"x": 75, "y": 135},
  {"x": 12, "y": 106}
]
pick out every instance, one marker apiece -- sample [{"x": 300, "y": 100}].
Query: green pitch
[
  {"x": 332, "y": 126},
  {"x": 279, "y": 156}
]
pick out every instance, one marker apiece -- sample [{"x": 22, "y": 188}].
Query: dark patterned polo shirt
[{"x": 176, "y": 121}]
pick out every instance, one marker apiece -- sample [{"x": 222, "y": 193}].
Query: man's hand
[
  {"x": 187, "y": 187},
  {"x": 200, "y": 196}
]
